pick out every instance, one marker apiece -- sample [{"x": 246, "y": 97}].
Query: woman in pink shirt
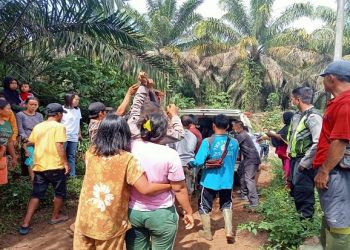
[{"x": 155, "y": 217}]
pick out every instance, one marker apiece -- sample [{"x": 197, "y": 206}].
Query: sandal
[
  {"x": 62, "y": 218},
  {"x": 23, "y": 230}
]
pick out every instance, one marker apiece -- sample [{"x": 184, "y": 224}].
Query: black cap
[
  {"x": 54, "y": 108},
  {"x": 339, "y": 68},
  {"x": 95, "y": 108}
]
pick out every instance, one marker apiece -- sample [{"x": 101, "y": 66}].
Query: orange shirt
[
  {"x": 104, "y": 198},
  {"x": 12, "y": 120}
]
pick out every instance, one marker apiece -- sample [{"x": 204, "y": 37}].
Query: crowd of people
[
  {"x": 315, "y": 152},
  {"x": 145, "y": 162}
]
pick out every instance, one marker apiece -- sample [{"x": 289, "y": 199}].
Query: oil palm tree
[
  {"x": 166, "y": 25},
  {"x": 311, "y": 52},
  {"x": 250, "y": 31},
  {"x": 32, "y": 32},
  {"x": 168, "y": 29}
]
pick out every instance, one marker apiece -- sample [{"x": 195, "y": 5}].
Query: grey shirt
[
  {"x": 314, "y": 124},
  {"x": 247, "y": 148},
  {"x": 186, "y": 147},
  {"x": 26, "y": 123}
]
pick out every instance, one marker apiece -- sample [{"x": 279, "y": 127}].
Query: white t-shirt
[{"x": 71, "y": 120}]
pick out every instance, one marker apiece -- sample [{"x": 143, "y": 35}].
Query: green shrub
[
  {"x": 273, "y": 101},
  {"x": 92, "y": 80},
  {"x": 272, "y": 120},
  {"x": 182, "y": 101},
  {"x": 280, "y": 219},
  {"x": 220, "y": 100}
]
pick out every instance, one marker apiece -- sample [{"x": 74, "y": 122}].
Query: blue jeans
[{"x": 71, "y": 148}]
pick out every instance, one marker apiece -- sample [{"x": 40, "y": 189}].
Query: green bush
[
  {"x": 220, "y": 100},
  {"x": 280, "y": 219},
  {"x": 92, "y": 80},
  {"x": 182, "y": 101},
  {"x": 272, "y": 120},
  {"x": 273, "y": 101}
]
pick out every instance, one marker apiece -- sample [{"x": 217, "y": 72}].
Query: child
[{"x": 25, "y": 89}]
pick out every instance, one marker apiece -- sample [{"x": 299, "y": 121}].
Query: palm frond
[
  {"x": 260, "y": 10},
  {"x": 186, "y": 10},
  {"x": 152, "y": 6},
  {"x": 261, "y": 20},
  {"x": 326, "y": 14},
  {"x": 64, "y": 26},
  {"x": 179, "y": 31},
  {"x": 236, "y": 13},
  {"x": 291, "y": 37},
  {"x": 140, "y": 19},
  {"x": 216, "y": 28},
  {"x": 273, "y": 71},
  {"x": 291, "y": 14},
  {"x": 160, "y": 29},
  {"x": 322, "y": 40},
  {"x": 168, "y": 9},
  {"x": 51, "y": 27}
]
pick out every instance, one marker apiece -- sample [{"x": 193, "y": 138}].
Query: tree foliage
[
  {"x": 33, "y": 32},
  {"x": 248, "y": 49},
  {"x": 252, "y": 73},
  {"x": 92, "y": 80}
]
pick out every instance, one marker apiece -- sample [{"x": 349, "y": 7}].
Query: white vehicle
[{"x": 205, "y": 116}]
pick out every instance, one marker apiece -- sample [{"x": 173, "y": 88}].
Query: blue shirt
[{"x": 220, "y": 178}]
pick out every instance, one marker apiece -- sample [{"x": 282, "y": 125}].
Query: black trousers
[
  {"x": 303, "y": 189},
  {"x": 207, "y": 196}
]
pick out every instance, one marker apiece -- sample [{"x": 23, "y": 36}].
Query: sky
[{"x": 210, "y": 8}]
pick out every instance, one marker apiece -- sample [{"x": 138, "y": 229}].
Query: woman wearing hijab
[{"x": 11, "y": 94}]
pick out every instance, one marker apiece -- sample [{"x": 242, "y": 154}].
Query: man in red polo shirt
[{"x": 332, "y": 161}]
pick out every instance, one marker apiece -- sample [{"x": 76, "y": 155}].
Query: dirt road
[{"x": 53, "y": 237}]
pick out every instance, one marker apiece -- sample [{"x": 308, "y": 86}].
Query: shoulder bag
[{"x": 217, "y": 163}]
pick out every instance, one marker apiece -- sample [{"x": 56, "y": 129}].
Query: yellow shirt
[{"x": 45, "y": 135}]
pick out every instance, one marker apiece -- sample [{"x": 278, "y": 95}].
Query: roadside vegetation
[{"x": 279, "y": 217}]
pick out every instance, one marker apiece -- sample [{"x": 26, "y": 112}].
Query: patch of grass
[{"x": 280, "y": 219}]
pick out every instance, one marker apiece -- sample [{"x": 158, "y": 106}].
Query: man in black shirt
[{"x": 250, "y": 162}]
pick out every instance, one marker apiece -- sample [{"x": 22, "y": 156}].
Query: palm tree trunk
[{"x": 338, "y": 49}]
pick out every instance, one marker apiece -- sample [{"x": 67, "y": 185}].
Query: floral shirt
[{"x": 103, "y": 205}]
